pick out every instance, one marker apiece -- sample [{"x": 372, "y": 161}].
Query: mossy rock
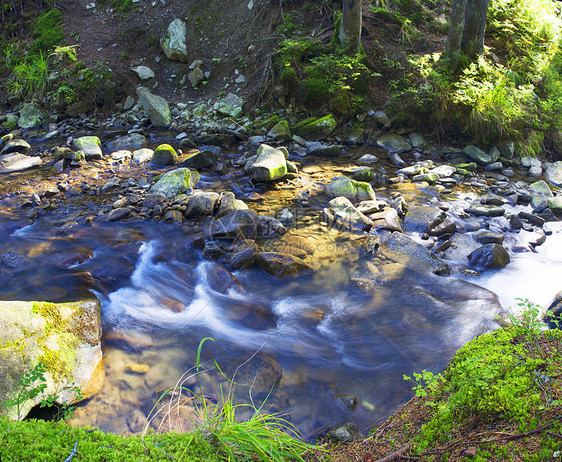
[
  {"x": 164, "y": 155},
  {"x": 64, "y": 337},
  {"x": 353, "y": 190},
  {"x": 175, "y": 182},
  {"x": 89, "y": 145},
  {"x": 316, "y": 129}
]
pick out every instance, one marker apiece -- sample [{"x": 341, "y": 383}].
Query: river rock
[
  {"x": 132, "y": 142},
  {"x": 279, "y": 264},
  {"x": 15, "y": 145},
  {"x": 541, "y": 187},
  {"x": 174, "y": 43},
  {"x": 553, "y": 315},
  {"x": 554, "y": 173},
  {"x": 16, "y": 162},
  {"x": 150, "y": 200},
  {"x": 243, "y": 258},
  {"x": 201, "y": 204},
  {"x": 119, "y": 213},
  {"x": 485, "y": 210},
  {"x": 479, "y": 156},
  {"x": 164, "y": 155},
  {"x": 368, "y": 159},
  {"x": 239, "y": 224},
  {"x": 404, "y": 250},
  {"x": 423, "y": 219},
  {"x": 270, "y": 227},
  {"x": 555, "y": 204},
  {"x": 270, "y": 164},
  {"x": 140, "y": 156},
  {"x": 316, "y": 129},
  {"x": 112, "y": 183},
  {"x": 539, "y": 202},
  {"x": 200, "y": 159},
  {"x": 30, "y": 117},
  {"x": 89, "y": 145},
  {"x": 346, "y": 432},
  {"x": 387, "y": 219},
  {"x": 353, "y": 190},
  {"x": 230, "y": 106},
  {"x": 443, "y": 171},
  {"x": 487, "y": 237},
  {"x": 394, "y": 143},
  {"x": 343, "y": 211},
  {"x": 489, "y": 256},
  {"x": 430, "y": 178},
  {"x": 66, "y": 337},
  {"x": 315, "y": 148},
  {"x": 229, "y": 203},
  {"x": 174, "y": 216},
  {"x": 156, "y": 108},
  {"x": 175, "y": 182},
  {"x": 280, "y": 132}
]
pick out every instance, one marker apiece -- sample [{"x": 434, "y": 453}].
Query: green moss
[
  {"x": 48, "y": 32},
  {"x": 50, "y": 441}
]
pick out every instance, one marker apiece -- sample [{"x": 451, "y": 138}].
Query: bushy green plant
[
  {"x": 48, "y": 32},
  {"x": 497, "y": 375}
]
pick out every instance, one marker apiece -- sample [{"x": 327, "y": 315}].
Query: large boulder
[
  {"x": 65, "y": 338},
  {"x": 164, "y": 155},
  {"x": 414, "y": 256},
  {"x": 270, "y": 164},
  {"x": 30, "y": 116},
  {"x": 230, "y": 106},
  {"x": 16, "y": 162},
  {"x": 175, "y": 182},
  {"x": 280, "y": 132},
  {"x": 156, "y": 108},
  {"x": 174, "y": 44},
  {"x": 394, "y": 143},
  {"x": 353, "y": 190},
  {"x": 89, "y": 145},
  {"x": 553, "y": 315},
  {"x": 489, "y": 256},
  {"x": 316, "y": 129},
  {"x": 228, "y": 203}
]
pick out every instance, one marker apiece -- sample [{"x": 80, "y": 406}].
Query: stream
[{"x": 324, "y": 347}]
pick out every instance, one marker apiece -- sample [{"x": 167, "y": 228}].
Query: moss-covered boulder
[
  {"x": 200, "y": 159},
  {"x": 30, "y": 117},
  {"x": 270, "y": 164},
  {"x": 164, "y": 155},
  {"x": 90, "y": 145},
  {"x": 316, "y": 129},
  {"x": 230, "y": 106},
  {"x": 394, "y": 143},
  {"x": 353, "y": 190},
  {"x": 280, "y": 132},
  {"x": 63, "y": 337},
  {"x": 175, "y": 182}
]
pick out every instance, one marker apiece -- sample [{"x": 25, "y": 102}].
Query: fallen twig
[
  {"x": 73, "y": 453},
  {"x": 395, "y": 455}
]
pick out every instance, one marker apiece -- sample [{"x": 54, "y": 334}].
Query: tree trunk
[
  {"x": 350, "y": 27},
  {"x": 452, "y": 51},
  {"x": 474, "y": 28},
  {"x": 466, "y": 31}
]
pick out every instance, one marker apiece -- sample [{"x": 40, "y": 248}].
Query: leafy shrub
[{"x": 48, "y": 32}]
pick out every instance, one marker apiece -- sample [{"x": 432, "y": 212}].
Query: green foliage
[
  {"x": 500, "y": 375},
  {"x": 29, "y": 76},
  {"x": 54, "y": 442},
  {"x": 48, "y": 32},
  {"x": 124, "y": 6},
  {"x": 31, "y": 384}
]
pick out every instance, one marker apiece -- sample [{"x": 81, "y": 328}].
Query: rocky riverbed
[{"x": 343, "y": 261}]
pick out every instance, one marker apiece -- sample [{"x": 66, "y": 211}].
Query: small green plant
[
  {"x": 31, "y": 384},
  {"x": 265, "y": 436}
]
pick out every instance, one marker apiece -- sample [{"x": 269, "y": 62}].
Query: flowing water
[{"x": 308, "y": 345}]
